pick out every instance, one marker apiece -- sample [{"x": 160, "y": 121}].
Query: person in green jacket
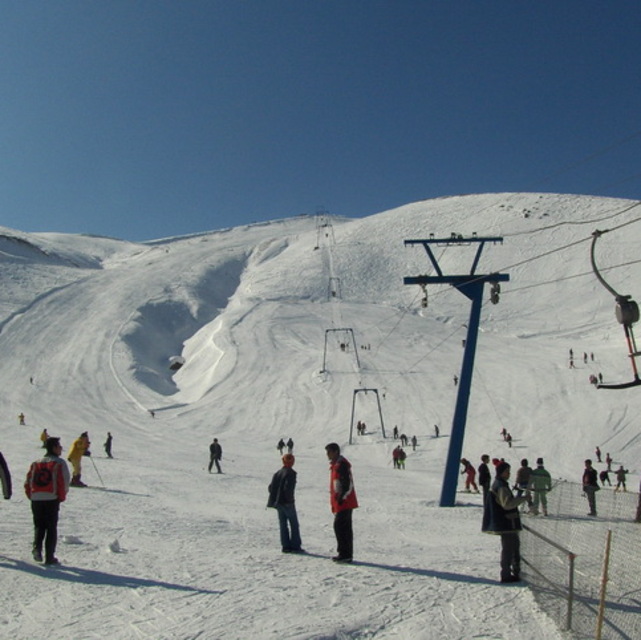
[{"x": 540, "y": 484}]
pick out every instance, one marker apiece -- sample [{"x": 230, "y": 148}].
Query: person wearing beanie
[
  {"x": 540, "y": 484},
  {"x": 281, "y": 497},
  {"x": 501, "y": 517},
  {"x": 46, "y": 486}
]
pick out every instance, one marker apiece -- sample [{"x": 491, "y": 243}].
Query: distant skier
[
  {"x": 540, "y": 484},
  {"x": 401, "y": 459},
  {"x": 608, "y": 461},
  {"x": 280, "y": 446},
  {"x": 436, "y": 431},
  {"x": 414, "y": 443},
  {"x": 604, "y": 476},
  {"x": 43, "y": 437},
  {"x": 455, "y": 378},
  {"x": 508, "y": 439},
  {"x": 290, "y": 446},
  {"x": 107, "y": 444},
  {"x": 403, "y": 440},
  {"x": 215, "y": 455},
  {"x": 485, "y": 477},
  {"x": 620, "y": 474},
  {"x": 470, "y": 474},
  {"x": 395, "y": 456},
  {"x": 395, "y": 432},
  {"x": 21, "y": 419},
  {"x": 597, "y": 453}
]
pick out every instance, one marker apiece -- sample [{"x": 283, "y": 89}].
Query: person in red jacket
[
  {"x": 46, "y": 486},
  {"x": 342, "y": 498}
]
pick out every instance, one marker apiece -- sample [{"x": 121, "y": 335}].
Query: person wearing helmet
[{"x": 281, "y": 497}]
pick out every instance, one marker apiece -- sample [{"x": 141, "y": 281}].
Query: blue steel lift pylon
[{"x": 470, "y": 285}]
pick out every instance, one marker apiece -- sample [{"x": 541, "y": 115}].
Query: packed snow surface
[{"x": 158, "y": 548}]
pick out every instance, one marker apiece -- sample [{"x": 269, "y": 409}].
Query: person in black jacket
[
  {"x": 501, "y": 517},
  {"x": 215, "y": 454},
  {"x": 590, "y": 486},
  {"x": 485, "y": 478},
  {"x": 281, "y": 497}
]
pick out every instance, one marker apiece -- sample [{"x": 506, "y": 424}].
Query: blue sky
[{"x": 142, "y": 119}]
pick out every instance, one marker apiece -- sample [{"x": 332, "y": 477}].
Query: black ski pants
[
  {"x": 344, "y": 533},
  {"x": 45, "y": 521}
]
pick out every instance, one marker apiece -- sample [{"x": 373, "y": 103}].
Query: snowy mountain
[{"x": 158, "y": 548}]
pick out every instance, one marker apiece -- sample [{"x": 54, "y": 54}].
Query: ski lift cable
[{"x": 477, "y": 373}]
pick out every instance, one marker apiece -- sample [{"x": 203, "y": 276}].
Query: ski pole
[{"x": 98, "y": 472}]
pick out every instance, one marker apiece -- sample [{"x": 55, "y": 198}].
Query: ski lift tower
[{"x": 471, "y": 285}]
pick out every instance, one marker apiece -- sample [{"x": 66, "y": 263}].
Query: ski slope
[{"x": 157, "y": 548}]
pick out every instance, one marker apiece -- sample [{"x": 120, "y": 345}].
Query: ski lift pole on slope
[{"x": 627, "y": 313}]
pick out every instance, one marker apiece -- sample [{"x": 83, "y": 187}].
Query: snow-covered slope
[{"x": 94, "y": 321}]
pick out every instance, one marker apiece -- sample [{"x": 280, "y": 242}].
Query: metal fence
[{"x": 563, "y": 562}]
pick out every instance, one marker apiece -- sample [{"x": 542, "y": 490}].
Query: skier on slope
[
  {"x": 79, "y": 448},
  {"x": 470, "y": 472}
]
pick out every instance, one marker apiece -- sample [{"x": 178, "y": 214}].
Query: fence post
[
  {"x": 604, "y": 583},
  {"x": 568, "y": 619}
]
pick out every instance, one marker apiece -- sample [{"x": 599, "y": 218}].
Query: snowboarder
[
  {"x": 21, "y": 419},
  {"x": 281, "y": 497},
  {"x": 540, "y": 484},
  {"x": 501, "y": 517},
  {"x": 280, "y": 446},
  {"x": 470, "y": 472},
  {"x": 620, "y": 474},
  {"x": 343, "y": 501},
  {"x": 215, "y": 455},
  {"x": 107, "y": 444},
  {"x": 5, "y": 478},
  {"x": 590, "y": 486},
  {"x": 485, "y": 478},
  {"x": 79, "y": 448},
  {"x": 46, "y": 486},
  {"x": 290, "y": 446}
]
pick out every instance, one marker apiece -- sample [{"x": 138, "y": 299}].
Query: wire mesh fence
[{"x": 563, "y": 562}]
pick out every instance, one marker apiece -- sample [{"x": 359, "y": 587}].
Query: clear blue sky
[{"x": 141, "y": 119}]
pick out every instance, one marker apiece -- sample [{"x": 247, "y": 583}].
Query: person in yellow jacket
[{"x": 79, "y": 448}]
